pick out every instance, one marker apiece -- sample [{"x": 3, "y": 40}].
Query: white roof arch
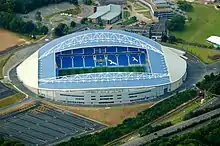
[{"x": 94, "y": 38}]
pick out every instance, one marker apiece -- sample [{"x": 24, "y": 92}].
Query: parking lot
[
  {"x": 43, "y": 125},
  {"x": 5, "y": 91}
]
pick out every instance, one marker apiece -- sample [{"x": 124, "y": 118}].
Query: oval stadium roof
[{"x": 98, "y": 38}]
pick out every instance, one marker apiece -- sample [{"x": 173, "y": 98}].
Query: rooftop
[
  {"x": 42, "y": 63},
  {"x": 155, "y": 6},
  {"x": 214, "y": 40},
  {"x": 159, "y": 1},
  {"x": 106, "y": 12},
  {"x": 107, "y": 2},
  {"x": 94, "y": 38}
]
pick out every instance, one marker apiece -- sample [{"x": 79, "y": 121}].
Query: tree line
[
  {"x": 63, "y": 29},
  {"x": 177, "y": 23},
  {"x": 9, "y": 142},
  {"x": 185, "y": 6},
  {"x": 208, "y": 135},
  {"x": 211, "y": 83},
  {"x": 25, "y": 6},
  {"x": 12, "y": 22},
  {"x": 9, "y": 19},
  {"x": 132, "y": 124}
]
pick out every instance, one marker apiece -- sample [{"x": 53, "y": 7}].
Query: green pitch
[{"x": 101, "y": 69}]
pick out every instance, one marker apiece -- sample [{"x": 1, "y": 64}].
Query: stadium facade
[{"x": 102, "y": 67}]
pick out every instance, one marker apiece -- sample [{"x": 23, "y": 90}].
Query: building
[
  {"x": 116, "y": 2},
  {"x": 161, "y": 8},
  {"x": 160, "y": 3},
  {"x": 155, "y": 31},
  {"x": 103, "y": 67},
  {"x": 215, "y": 40},
  {"x": 159, "y": 29},
  {"x": 106, "y": 14}
]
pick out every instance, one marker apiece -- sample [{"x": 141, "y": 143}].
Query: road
[
  {"x": 210, "y": 103},
  {"x": 143, "y": 140}
]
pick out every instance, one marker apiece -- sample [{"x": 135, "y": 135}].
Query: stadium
[{"x": 102, "y": 67}]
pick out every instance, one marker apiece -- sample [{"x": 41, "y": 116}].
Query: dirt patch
[
  {"x": 109, "y": 116},
  {"x": 214, "y": 57},
  {"x": 9, "y": 39}
]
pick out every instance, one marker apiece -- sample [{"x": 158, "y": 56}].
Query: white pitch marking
[
  {"x": 134, "y": 59},
  {"x": 111, "y": 62}
]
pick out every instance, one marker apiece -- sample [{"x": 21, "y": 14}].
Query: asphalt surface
[
  {"x": 19, "y": 85},
  {"x": 145, "y": 139},
  {"x": 210, "y": 103},
  {"x": 5, "y": 91},
  {"x": 43, "y": 125}
]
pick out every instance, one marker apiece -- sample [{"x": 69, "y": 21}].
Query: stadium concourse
[{"x": 103, "y": 67}]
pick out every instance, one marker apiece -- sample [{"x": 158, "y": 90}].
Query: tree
[
  {"x": 75, "y": 2},
  {"x": 38, "y": 16},
  {"x": 172, "y": 39},
  {"x": 185, "y": 6},
  {"x": 73, "y": 24},
  {"x": 87, "y": 2},
  {"x": 176, "y": 23},
  {"x": 29, "y": 27},
  {"x": 61, "y": 30},
  {"x": 164, "y": 38},
  {"x": 15, "y": 25},
  {"x": 43, "y": 29},
  {"x": 83, "y": 20},
  {"x": 9, "y": 142}
]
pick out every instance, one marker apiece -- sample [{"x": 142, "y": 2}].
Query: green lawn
[
  {"x": 3, "y": 60},
  {"x": 101, "y": 69},
  {"x": 130, "y": 21},
  {"x": 205, "y": 22},
  {"x": 203, "y": 54},
  {"x": 126, "y": 14},
  {"x": 178, "y": 117},
  {"x": 11, "y": 99}
]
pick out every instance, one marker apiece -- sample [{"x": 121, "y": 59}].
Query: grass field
[
  {"x": 205, "y": 22},
  {"x": 203, "y": 54},
  {"x": 178, "y": 117},
  {"x": 11, "y": 99},
  {"x": 3, "y": 60},
  {"x": 112, "y": 116},
  {"x": 138, "y": 7},
  {"x": 101, "y": 69},
  {"x": 9, "y": 39},
  {"x": 126, "y": 14}
]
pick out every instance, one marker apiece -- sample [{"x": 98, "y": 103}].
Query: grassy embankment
[
  {"x": 11, "y": 99},
  {"x": 204, "y": 23}
]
